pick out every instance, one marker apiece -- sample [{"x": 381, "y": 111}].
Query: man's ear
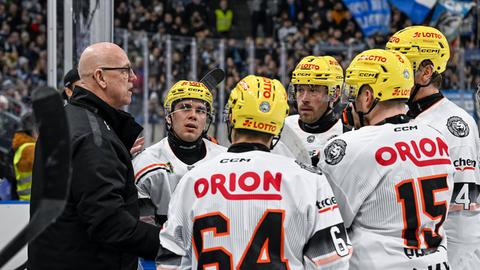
[
  {"x": 98, "y": 75},
  {"x": 169, "y": 119},
  {"x": 426, "y": 73}
]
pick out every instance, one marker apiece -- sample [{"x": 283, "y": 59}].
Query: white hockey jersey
[
  {"x": 242, "y": 210},
  {"x": 312, "y": 142},
  {"x": 463, "y": 222},
  {"x": 158, "y": 171},
  {"x": 393, "y": 184}
]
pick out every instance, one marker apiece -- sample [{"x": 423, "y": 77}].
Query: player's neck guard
[
  {"x": 396, "y": 119},
  {"x": 417, "y": 107},
  {"x": 245, "y": 147},
  {"x": 321, "y": 125},
  {"x": 187, "y": 152}
]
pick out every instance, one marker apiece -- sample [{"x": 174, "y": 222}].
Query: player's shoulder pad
[{"x": 310, "y": 168}]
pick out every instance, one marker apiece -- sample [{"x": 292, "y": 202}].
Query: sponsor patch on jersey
[
  {"x": 311, "y": 138},
  {"x": 335, "y": 151},
  {"x": 458, "y": 127}
]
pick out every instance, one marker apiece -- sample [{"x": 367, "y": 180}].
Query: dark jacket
[{"x": 99, "y": 228}]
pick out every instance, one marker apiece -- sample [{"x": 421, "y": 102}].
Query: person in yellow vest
[
  {"x": 23, "y": 145},
  {"x": 223, "y": 19}
]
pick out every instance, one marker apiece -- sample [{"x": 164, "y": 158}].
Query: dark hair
[
  {"x": 437, "y": 78},
  {"x": 28, "y": 124}
]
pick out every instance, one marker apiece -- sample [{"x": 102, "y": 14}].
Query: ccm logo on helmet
[
  {"x": 425, "y": 152},
  {"x": 427, "y": 35},
  {"x": 429, "y": 50},
  {"x": 308, "y": 66},
  {"x": 367, "y": 75},
  {"x": 375, "y": 58},
  {"x": 246, "y": 186},
  {"x": 259, "y": 125}
]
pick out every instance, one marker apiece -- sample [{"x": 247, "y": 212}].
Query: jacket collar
[{"x": 122, "y": 123}]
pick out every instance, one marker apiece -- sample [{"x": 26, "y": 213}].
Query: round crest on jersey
[
  {"x": 188, "y": 90},
  {"x": 421, "y": 43},
  {"x": 458, "y": 127},
  {"x": 335, "y": 151}
]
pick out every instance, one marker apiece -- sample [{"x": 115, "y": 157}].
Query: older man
[{"x": 100, "y": 227}]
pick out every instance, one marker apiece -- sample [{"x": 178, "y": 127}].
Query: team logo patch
[
  {"x": 458, "y": 127},
  {"x": 335, "y": 151},
  {"x": 311, "y": 139},
  {"x": 264, "y": 107}
]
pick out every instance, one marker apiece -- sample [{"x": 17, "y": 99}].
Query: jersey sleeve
[
  {"x": 175, "y": 235},
  {"x": 328, "y": 246},
  {"x": 465, "y": 159},
  {"x": 153, "y": 189}
]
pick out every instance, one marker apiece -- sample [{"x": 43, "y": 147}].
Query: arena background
[{"x": 172, "y": 40}]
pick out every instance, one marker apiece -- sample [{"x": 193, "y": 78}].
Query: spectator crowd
[{"x": 303, "y": 27}]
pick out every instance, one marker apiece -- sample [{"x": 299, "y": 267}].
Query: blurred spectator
[
  {"x": 23, "y": 145},
  {"x": 223, "y": 19},
  {"x": 70, "y": 80},
  {"x": 302, "y": 27}
]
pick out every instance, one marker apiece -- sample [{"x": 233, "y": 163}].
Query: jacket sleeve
[{"x": 106, "y": 198}]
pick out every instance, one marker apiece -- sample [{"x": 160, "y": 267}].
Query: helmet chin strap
[
  {"x": 435, "y": 77},
  {"x": 361, "y": 115}
]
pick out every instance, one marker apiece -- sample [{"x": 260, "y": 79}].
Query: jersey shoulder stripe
[{"x": 151, "y": 168}]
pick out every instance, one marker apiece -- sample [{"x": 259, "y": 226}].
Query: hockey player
[
  {"x": 241, "y": 209},
  {"x": 428, "y": 51},
  {"x": 392, "y": 177},
  {"x": 158, "y": 169},
  {"x": 315, "y": 86}
]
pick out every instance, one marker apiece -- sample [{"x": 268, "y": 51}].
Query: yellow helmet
[
  {"x": 388, "y": 73},
  {"x": 421, "y": 43},
  {"x": 319, "y": 70},
  {"x": 259, "y": 104},
  {"x": 186, "y": 90}
]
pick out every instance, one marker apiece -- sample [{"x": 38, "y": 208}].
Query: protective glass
[
  {"x": 189, "y": 106},
  {"x": 297, "y": 91}
]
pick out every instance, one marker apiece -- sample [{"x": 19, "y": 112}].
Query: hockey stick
[
  {"x": 213, "y": 78},
  {"x": 55, "y": 154},
  {"x": 294, "y": 144}
]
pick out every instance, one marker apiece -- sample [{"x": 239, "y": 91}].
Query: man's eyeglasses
[{"x": 124, "y": 70}]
